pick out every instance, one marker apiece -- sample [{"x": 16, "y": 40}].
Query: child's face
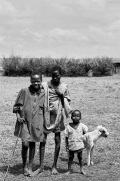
[
  {"x": 56, "y": 77},
  {"x": 76, "y": 116},
  {"x": 35, "y": 81}
]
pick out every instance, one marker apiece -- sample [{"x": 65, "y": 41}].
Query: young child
[
  {"x": 29, "y": 126},
  {"x": 74, "y": 144}
]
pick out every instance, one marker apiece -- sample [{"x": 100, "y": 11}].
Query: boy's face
[
  {"x": 76, "y": 116},
  {"x": 56, "y": 77},
  {"x": 35, "y": 81}
]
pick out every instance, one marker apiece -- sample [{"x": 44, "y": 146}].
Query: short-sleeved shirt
[
  {"x": 74, "y": 136},
  {"x": 31, "y": 104}
]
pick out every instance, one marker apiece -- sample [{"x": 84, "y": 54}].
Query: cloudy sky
[{"x": 60, "y": 28}]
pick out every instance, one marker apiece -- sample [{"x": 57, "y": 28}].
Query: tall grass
[{"x": 17, "y": 66}]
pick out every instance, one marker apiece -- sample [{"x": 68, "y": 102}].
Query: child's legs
[
  {"x": 41, "y": 155},
  {"x": 79, "y": 155},
  {"x": 80, "y": 162},
  {"x": 42, "y": 150},
  {"x": 31, "y": 154},
  {"x": 25, "y": 145},
  {"x": 71, "y": 157},
  {"x": 57, "y": 148}
]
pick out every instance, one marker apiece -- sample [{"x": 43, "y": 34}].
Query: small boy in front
[
  {"x": 29, "y": 126},
  {"x": 74, "y": 143}
]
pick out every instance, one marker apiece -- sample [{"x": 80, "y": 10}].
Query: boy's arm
[
  {"x": 67, "y": 102},
  {"x": 17, "y": 110},
  {"x": 66, "y": 139},
  {"x": 19, "y": 119},
  {"x": 67, "y": 94},
  {"x": 60, "y": 94},
  {"x": 66, "y": 144},
  {"x": 18, "y": 106},
  {"x": 85, "y": 129},
  {"x": 64, "y": 94}
]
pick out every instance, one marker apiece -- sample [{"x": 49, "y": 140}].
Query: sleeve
[
  {"x": 19, "y": 101},
  {"x": 67, "y": 94},
  {"x": 67, "y": 102},
  {"x": 85, "y": 129},
  {"x": 66, "y": 131}
]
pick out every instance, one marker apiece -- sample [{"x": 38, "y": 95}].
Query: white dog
[{"x": 89, "y": 140}]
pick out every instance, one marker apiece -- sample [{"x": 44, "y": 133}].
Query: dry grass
[{"x": 99, "y": 101}]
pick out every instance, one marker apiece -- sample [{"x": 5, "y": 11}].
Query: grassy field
[{"x": 99, "y": 101}]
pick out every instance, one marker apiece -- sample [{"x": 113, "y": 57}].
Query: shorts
[{"x": 76, "y": 151}]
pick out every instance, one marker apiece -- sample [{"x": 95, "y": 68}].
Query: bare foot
[
  {"x": 91, "y": 163},
  {"x": 54, "y": 171},
  {"x": 30, "y": 172},
  {"x": 82, "y": 172},
  {"x": 26, "y": 172},
  {"x": 67, "y": 173},
  {"x": 39, "y": 170}
]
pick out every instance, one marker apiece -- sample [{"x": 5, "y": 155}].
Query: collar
[
  {"x": 33, "y": 91},
  {"x": 52, "y": 86}
]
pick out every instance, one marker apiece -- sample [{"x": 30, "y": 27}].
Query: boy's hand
[
  {"x": 21, "y": 120},
  {"x": 16, "y": 109},
  {"x": 67, "y": 148},
  {"x": 59, "y": 92}
]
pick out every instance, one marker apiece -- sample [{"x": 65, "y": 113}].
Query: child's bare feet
[
  {"x": 39, "y": 170},
  {"x": 26, "y": 172},
  {"x": 30, "y": 172},
  {"x": 67, "y": 173},
  {"x": 82, "y": 172},
  {"x": 54, "y": 171},
  {"x": 91, "y": 163}
]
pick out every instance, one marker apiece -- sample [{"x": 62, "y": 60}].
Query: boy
[{"x": 29, "y": 109}]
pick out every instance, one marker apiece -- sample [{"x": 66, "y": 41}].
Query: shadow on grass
[
  {"x": 48, "y": 168},
  {"x": 15, "y": 170},
  {"x": 74, "y": 162},
  {"x": 18, "y": 170}
]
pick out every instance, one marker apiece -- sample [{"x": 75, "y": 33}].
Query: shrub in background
[
  {"x": 17, "y": 66},
  {"x": 11, "y": 65},
  {"x": 102, "y": 66},
  {"x": 75, "y": 68}
]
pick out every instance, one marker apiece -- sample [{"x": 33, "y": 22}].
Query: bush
[
  {"x": 11, "y": 65},
  {"x": 75, "y": 69},
  {"x": 99, "y": 66},
  {"x": 17, "y": 66},
  {"x": 102, "y": 66}
]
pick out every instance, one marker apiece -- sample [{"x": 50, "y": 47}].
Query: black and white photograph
[{"x": 60, "y": 90}]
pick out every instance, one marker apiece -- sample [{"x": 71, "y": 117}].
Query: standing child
[
  {"x": 29, "y": 125},
  {"x": 74, "y": 144}
]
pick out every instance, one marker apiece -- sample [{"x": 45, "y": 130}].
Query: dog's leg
[
  {"x": 91, "y": 156},
  {"x": 88, "y": 157}
]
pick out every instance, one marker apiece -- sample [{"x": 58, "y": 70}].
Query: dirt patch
[{"x": 99, "y": 101}]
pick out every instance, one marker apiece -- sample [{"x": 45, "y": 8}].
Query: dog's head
[{"x": 103, "y": 130}]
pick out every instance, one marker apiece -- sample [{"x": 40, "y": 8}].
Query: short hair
[
  {"x": 58, "y": 68},
  {"x": 36, "y": 72},
  {"x": 76, "y": 110}
]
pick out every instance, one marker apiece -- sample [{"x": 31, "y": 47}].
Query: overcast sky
[{"x": 60, "y": 28}]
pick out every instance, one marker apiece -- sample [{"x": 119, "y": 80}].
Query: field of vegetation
[
  {"x": 98, "y": 98},
  {"x": 18, "y": 66}
]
